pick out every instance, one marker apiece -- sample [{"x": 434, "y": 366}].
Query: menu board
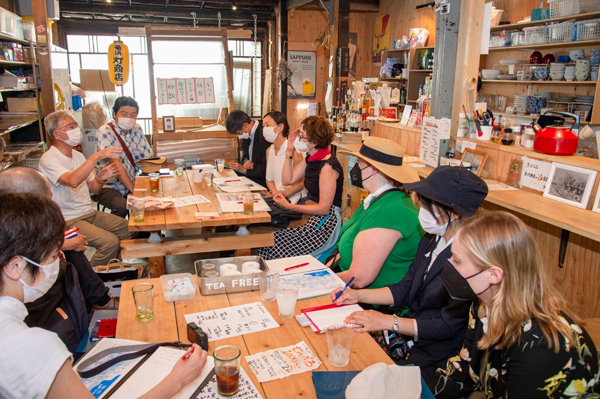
[
  {"x": 185, "y": 91},
  {"x": 429, "y": 152}
]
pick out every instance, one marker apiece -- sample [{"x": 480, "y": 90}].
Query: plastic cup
[
  {"x": 220, "y": 164},
  {"x": 143, "y": 297},
  {"x": 287, "y": 295},
  {"x": 267, "y": 283},
  {"x": 154, "y": 181},
  {"x": 207, "y": 178},
  {"x": 179, "y": 166},
  {"x": 248, "y": 203},
  {"x": 227, "y": 369},
  {"x": 138, "y": 209},
  {"x": 339, "y": 344}
]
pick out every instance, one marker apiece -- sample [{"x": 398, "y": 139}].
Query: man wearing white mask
[
  {"x": 123, "y": 132},
  {"x": 254, "y": 146},
  {"x": 71, "y": 181}
]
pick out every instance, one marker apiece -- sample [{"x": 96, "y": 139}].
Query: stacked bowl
[
  {"x": 541, "y": 74},
  {"x": 595, "y": 57},
  {"x": 520, "y": 104},
  {"x": 570, "y": 73},
  {"x": 557, "y": 70},
  {"x": 578, "y": 54},
  {"x": 582, "y": 69},
  {"x": 535, "y": 104},
  {"x": 490, "y": 74},
  {"x": 594, "y": 75}
]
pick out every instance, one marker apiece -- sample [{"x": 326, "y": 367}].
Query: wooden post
[
  {"x": 283, "y": 46},
  {"x": 40, "y": 20},
  {"x": 229, "y": 70}
]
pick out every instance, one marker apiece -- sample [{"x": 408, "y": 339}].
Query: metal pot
[{"x": 557, "y": 140}]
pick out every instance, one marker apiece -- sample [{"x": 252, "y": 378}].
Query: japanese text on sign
[
  {"x": 283, "y": 362},
  {"x": 185, "y": 91}
]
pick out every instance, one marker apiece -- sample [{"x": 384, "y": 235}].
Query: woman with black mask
[{"x": 435, "y": 324}]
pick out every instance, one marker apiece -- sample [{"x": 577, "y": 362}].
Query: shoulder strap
[
  {"x": 125, "y": 148},
  {"x": 133, "y": 352}
]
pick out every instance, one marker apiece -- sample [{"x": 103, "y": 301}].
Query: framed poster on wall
[{"x": 303, "y": 71}]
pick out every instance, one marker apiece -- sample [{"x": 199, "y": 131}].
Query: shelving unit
[
  {"x": 548, "y": 45},
  {"x": 521, "y": 25},
  {"x": 542, "y": 82}
]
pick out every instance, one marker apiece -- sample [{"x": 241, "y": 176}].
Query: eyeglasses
[
  {"x": 303, "y": 137},
  {"x": 72, "y": 125}
]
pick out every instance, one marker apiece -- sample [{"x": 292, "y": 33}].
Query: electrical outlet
[{"x": 348, "y": 199}]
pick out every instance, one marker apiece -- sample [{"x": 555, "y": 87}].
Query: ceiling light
[{"x": 233, "y": 6}]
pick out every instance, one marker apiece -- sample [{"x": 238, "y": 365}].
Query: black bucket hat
[{"x": 453, "y": 186}]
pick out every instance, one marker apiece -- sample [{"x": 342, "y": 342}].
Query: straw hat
[{"x": 385, "y": 155}]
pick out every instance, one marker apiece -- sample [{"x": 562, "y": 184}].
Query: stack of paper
[
  {"x": 237, "y": 184},
  {"x": 326, "y": 316},
  {"x": 235, "y": 203}
]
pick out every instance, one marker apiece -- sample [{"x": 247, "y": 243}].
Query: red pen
[
  {"x": 227, "y": 181},
  {"x": 241, "y": 202},
  {"x": 293, "y": 267},
  {"x": 188, "y": 354},
  {"x": 73, "y": 230}
]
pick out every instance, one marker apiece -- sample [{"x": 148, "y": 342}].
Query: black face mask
[
  {"x": 458, "y": 287},
  {"x": 356, "y": 175}
]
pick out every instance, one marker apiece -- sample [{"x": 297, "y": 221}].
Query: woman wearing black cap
[{"x": 436, "y": 323}]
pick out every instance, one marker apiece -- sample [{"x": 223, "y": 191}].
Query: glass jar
[
  {"x": 496, "y": 134},
  {"x": 508, "y": 137}
]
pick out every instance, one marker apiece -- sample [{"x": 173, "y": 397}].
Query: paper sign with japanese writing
[
  {"x": 233, "y": 321},
  {"x": 185, "y": 91},
  {"x": 535, "y": 173},
  {"x": 429, "y": 152},
  {"x": 283, "y": 362}
]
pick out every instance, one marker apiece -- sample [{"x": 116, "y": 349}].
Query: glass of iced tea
[
  {"x": 248, "y": 203},
  {"x": 227, "y": 369},
  {"x": 179, "y": 166},
  {"x": 154, "y": 181},
  {"x": 143, "y": 297}
]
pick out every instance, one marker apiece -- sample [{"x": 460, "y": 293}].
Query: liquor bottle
[
  {"x": 403, "y": 95},
  {"x": 334, "y": 119}
]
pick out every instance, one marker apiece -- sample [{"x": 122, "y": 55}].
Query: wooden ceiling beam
[
  {"x": 354, "y": 6},
  {"x": 297, "y": 3}
]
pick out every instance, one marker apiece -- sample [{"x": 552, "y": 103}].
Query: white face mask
[
  {"x": 429, "y": 223},
  {"x": 31, "y": 294},
  {"x": 244, "y": 136},
  {"x": 301, "y": 146},
  {"x": 269, "y": 133},
  {"x": 126, "y": 123},
  {"x": 75, "y": 137}
]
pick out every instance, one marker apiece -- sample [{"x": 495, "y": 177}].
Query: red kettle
[{"x": 557, "y": 140}]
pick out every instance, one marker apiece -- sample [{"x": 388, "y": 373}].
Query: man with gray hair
[{"x": 71, "y": 181}]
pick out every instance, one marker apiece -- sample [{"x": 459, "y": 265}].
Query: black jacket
[
  {"x": 259, "y": 156},
  {"x": 441, "y": 321},
  {"x": 62, "y": 309}
]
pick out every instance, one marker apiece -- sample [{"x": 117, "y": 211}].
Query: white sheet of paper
[
  {"x": 237, "y": 184},
  {"x": 429, "y": 152},
  {"x": 386, "y": 95},
  {"x": 312, "y": 109},
  {"x": 406, "y": 115},
  {"x": 189, "y": 200},
  {"x": 279, "y": 265},
  {"x": 234, "y": 203},
  {"x": 497, "y": 186},
  {"x": 100, "y": 384},
  {"x": 334, "y": 316},
  {"x": 283, "y": 362},
  {"x": 313, "y": 283},
  {"x": 247, "y": 390},
  {"x": 535, "y": 173},
  {"x": 233, "y": 321}
]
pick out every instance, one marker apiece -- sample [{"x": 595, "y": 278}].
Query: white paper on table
[
  {"x": 237, "y": 184},
  {"x": 329, "y": 315},
  {"x": 410, "y": 159},
  {"x": 535, "y": 173},
  {"x": 497, "y": 186},
  {"x": 279, "y": 265},
  {"x": 189, "y": 200},
  {"x": 283, "y": 362},
  {"x": 100, "y": 384},
  {"x": 235, "y": 203},
  {"x": 233, "y": 321},
  {"x": 313, "y": 283}
]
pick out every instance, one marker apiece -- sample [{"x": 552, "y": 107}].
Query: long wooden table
[
  {"x": 185, "y": 218},
  {"x": 169, "y": 324}
]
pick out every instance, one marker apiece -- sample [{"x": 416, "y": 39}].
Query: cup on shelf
[
  {"x": 594, "y": 74},
  {"x": 485, "y": 134}
]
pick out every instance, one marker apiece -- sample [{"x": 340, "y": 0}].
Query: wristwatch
[{"x": 395, "y": 323}]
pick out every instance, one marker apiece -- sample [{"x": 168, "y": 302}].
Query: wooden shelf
[
  {"x": 397, "y": 50},
  {"x": 513, "y": 115},
  {"x": 421, "y": 70},
  {"x": 542, "y": 82},
  {"x": 15, "y": 127},
  {"x": 19, "y": 89},
  {"x": 12, "y": 39},
  {"x": 14, "y": 63},
  {"x": 577, "y": 17},
  {"x": 548, "y": 45},
  {"x": 392, "y": 80}
]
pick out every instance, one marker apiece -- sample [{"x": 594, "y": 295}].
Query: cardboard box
[
  {"x": 28, "y": 104},
  {"x": 95, "y": 80}
]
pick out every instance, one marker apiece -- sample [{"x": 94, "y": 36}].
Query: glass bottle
[{"x": 508, "y": 137}]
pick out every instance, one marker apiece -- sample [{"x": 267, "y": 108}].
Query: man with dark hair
[
  {"x": 122, "y": 132},
  {"x": 254, "y": 146}
]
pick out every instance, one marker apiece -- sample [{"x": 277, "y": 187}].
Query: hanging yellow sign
[{"x": 118, "y": 63}]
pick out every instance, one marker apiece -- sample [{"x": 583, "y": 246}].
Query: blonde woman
[{"x": 522, "y": 341}]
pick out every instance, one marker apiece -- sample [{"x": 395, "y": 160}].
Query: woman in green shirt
[{"x": 377, "y": 245}]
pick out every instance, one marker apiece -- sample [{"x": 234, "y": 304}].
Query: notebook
[{"x": 322, "y": 317}]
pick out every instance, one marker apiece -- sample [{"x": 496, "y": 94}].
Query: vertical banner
[
  {"x": 302, "y": 82},
  {"x": 381, "y": 37},
  {"x": 185, "y": 91},
  {"x": 118, "y": 63}
]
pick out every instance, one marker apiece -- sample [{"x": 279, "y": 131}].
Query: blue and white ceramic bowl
[
  {"x": 535, "y": 104},
  {"x": 541, "y": 74}
]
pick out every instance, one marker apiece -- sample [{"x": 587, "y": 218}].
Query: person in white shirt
[
  {"x": 276, "y": 130},
  {"x": 71, "y": 180},
  {"x": 34, "y": 363}
]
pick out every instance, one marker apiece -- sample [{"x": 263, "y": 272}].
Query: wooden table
[
  {"x": 169, "y": 323},
  {"x": 184, "y": 218}
]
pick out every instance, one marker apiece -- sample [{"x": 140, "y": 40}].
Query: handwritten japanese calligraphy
[{"x": 283, "y": 362}]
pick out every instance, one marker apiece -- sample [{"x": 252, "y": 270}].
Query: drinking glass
[
  {"x": 248, "y": 203},
  {"x": 207, "y": 178},
  {"x": 179, "y": 166},
  {"x": 220, "y": 164},
  {"x": 339, "y": 344},
  {"x": 287, "y": 295},
  {"x": 143, "y": 297},
  {"x": 138, "y": 209},
  {"x": 154, "y": 181},
  {"x": 227, "y": 369},
  {"x": 267, "y": 282}
]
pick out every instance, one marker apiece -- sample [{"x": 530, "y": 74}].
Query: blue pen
[
  {"x": 322, "y": 222},
  {"x": 343, "y": 289}
]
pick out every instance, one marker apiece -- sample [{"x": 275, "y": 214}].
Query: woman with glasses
[{"x": 323, "y": 179}]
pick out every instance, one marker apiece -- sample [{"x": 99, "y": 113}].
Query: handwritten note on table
[
  {"x": 314, "y": 283},
  {"x": 283, "y": 362},
  {"x": 233, "y": 321}
]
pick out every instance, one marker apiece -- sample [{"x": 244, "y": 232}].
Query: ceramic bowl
[
  {"x": 541, "y": 74},
  {"x": 564, "y": 58}
]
